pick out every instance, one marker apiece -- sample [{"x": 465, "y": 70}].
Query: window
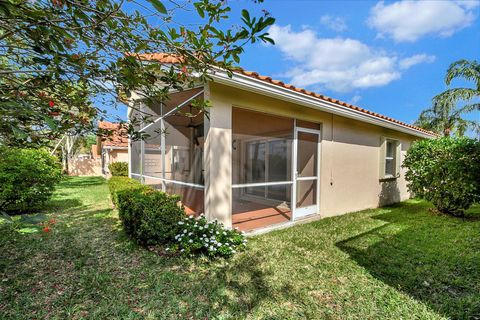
[{"x": 390, "y": 158}]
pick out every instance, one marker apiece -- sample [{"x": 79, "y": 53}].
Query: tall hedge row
[{"x": 445, "y": 171}]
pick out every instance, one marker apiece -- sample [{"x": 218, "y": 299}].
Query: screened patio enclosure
[
  {"x": 171, "y": 157},
  {"x": 248, "y": 169},
  {"x": 274, "y": 164}
]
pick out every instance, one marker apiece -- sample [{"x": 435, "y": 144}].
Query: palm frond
[
  {"x": 469, "y": 70},
  {"x": 456, "y": 94}
]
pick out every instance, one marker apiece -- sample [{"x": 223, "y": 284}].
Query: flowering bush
[{"x": 199, "y": 236}]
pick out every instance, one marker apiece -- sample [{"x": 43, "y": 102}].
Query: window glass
[{"x": 390, "y": 158}]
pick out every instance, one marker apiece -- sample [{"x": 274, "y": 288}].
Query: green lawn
[{"x": 400, "y": 262}]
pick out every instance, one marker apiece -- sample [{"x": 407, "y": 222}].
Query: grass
[{"x": 400, "y": 262}]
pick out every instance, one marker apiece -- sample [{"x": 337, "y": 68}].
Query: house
[
  {"x": 112, "y": 144},
  {"x": 269, "y": 153}
]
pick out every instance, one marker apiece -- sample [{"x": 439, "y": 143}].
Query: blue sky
[{"x": 386, "y": 56}]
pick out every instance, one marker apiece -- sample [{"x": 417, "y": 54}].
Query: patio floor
[{"x": 249, "y": 216}]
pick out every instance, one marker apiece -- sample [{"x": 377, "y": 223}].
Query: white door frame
[{"x": 309, "y": 210}]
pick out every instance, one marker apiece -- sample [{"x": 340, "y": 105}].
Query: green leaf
[
  {"x": 246, "y": 15},
  {"x": 52, "y": 124},
  {"x": 5, "y": 216},
  {"x": 159, "y": 6},
  {"x": 33, "y": 219}
]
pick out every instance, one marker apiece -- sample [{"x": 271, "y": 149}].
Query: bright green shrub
[
  {"x": 118, "y": 169},
  {"x": 117, "y": 184},
  {"x": 199, "y": 236},
  {"x": 27, "y": 178},
  {"x": 149, "y": 216},
  {"x": 445, "y": 171}
]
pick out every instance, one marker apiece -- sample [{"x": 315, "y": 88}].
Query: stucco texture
[{"x": 350, "y": 157}]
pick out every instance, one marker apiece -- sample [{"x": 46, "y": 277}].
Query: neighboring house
[
  {"x": 112, "y": 144},
  {"x": 269, "y": 153}
]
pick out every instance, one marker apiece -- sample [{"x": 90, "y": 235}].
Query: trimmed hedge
[
  {"x": 118, "y": 169},
  {"x": 117, "y": 184},
  {"x": 148, "y": 216}
]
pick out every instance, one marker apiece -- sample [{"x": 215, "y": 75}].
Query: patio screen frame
[
  {"x": 161, "y": 120},
  {"x": 293, "y": 172}
]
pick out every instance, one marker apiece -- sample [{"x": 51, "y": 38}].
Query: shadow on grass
[
  {"x": 62, "y": 204},
  {"x": 434, "y": 259},
  {"x": 81, "y": 182}
]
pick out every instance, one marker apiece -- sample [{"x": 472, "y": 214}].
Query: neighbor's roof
[
  {"x": 167, "y": 58},
  {"x": 117, "y": 138}
]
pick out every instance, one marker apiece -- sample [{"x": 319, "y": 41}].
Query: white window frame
[{"x": 384, "y": 158}]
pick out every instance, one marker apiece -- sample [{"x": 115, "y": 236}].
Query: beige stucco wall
[
  {"x": 85, "y": 167},
  {"x": 118, "y": 155},
  {"x": 218, "y": 158},
  {"x": 350, "y": 154}
]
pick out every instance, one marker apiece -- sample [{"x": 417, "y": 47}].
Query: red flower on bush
[
  {"x": 51, "y": 104},
  {"x": 46, "y": 229}
]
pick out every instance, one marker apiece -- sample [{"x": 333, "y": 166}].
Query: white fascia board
[{"x": 264, "y": 88}]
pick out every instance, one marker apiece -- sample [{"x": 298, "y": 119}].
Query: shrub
[
  {"x": 198, "y": 236},
  {"x": 118, "y": 169},
  {"x": 118, "y": 184},
  {"x": 27, "y": 178},
  {"x": 149, "y": 216},
  {"x": 445, "y": 171}
]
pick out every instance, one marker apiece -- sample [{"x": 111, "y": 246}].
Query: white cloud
[
  {"x": 355, "y": 99},
  {"x": 408, "y": 21},
  {"x": 334, "y": 23},
  {"x": 338, "y": 64},
  {"x": 416, "y": 59}
]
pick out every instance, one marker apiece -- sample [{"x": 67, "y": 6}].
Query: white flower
[
  {"x": 190, "y": 241},
  {"x": 190, "y": 217},
  {"x": 217, "y": 232},
  {"x": 203, "y": 236},
  {"x": 190, "y": 233},
  {"x": 182, "y": 250},
  {"x": 201, "y": 228},
  {"x": 233, "y": 251},
  {"x": 167, "y": 249},
  {"x": 184, "y": 230},
  {"x": 219, "y": 244},
  {"x": 211, "y": 248},
  {"x": 243, "y": 232},
  {"x": 180, "y": 222}
]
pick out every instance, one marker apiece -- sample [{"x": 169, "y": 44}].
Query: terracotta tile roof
[
  {"x": 160, "y": 57},
  {"x": 118, "y": 136},
  {"x": 171, "y": 58}
]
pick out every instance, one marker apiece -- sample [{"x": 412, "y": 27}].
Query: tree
[
  {"x": 446, "y": 116},
  {"x": 58, "y": 56},
  {"x": 468, "y": 70},
  {"x": 446, "y": 119}
]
